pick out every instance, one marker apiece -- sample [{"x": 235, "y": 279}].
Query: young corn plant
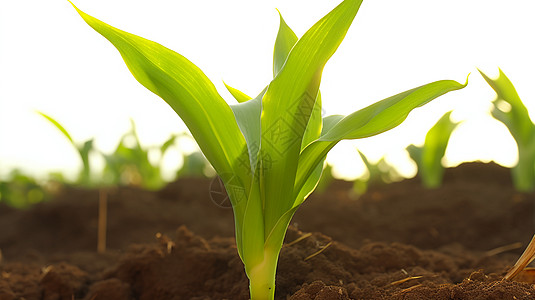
[
  {"x": 509, "y": 109},
  {"x": 379, "y": 172},
  {"x": 83, "y": 149},
  {"x": 129, "y": 164},
  {"x": 428, "y": 157},
  {"x": 268, "y": 150}
]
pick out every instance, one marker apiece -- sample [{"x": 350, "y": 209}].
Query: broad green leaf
[
  {"x": 388, "y": 113},
  {"x": 374, "y": 119},
  {"x": 288, "y": 104},
  {"x": 188, "y": 91},
  {"x": 284, "y": 43},
  {"x": 247, "y": 115},
  {"x": 302, "y": 192},
  {"x": 310, "y": 184},
  {"x": 314, "y": 126},
  {"x": 250, "y": 237}
]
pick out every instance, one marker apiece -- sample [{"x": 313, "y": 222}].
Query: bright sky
[{"x": 50, "y": 60}]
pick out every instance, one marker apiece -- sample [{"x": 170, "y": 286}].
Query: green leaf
[
  {"x": 188, "y": 91},
  {"x": 286, "y": 39},
  {"x": 429, "y": 156},
  {"x": 83, "y": 150},
  {"x": 517, "y": 118},
  {"x": 374, "y": 119},
  {"x": 288, "y": 104},
  {"x": 247, "y": 115},
  {"x": 59, "y": 127},
  {"x": 284, "y": 43}
]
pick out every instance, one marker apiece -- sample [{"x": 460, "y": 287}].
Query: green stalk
[{"x": 262, "y": 276}]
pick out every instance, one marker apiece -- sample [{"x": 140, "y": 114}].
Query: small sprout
[
  {"x": 429, "y": 157},
  {"x": 130, "y": 163},
  {"x": 84, "y": 150},
  {"x": 378, "y": 173}
]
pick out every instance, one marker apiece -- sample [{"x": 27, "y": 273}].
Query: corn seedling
[
  {"x": 378, "y": 173},
  {"x": 509, "y": 109},
  {"x": 129, "y": 164},
  {"x": 268, "y": 150},
  {"x": 83, "y": 150},
  {"x": 428, "y": 157}
]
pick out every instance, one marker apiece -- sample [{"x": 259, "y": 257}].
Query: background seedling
[
  {"x": 83, "y": 149},
  {"x": 509, "y": 109},
  {"x": 130, "y": 164},
  {"x": 428, "y": 157},
  {"x": 268, "y": 151},
  {"x": 378, "y": 173}
]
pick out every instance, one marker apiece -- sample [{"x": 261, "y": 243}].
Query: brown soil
[{"x": 398, "y": 241}]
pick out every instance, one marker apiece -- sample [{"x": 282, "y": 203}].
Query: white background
[{"x": 50, "y": 60}]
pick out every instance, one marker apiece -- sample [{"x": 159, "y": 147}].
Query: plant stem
[{"x": 262, "y": 276}]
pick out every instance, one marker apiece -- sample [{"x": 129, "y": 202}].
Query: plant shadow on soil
[{"x": 398, "y": 241}]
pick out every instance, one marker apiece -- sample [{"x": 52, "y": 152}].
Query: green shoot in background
[
  {"x": 83, "y": 150},
  {"x": 428, "y": 157},
  {"x": 21, "y": 191},
  {"x": 509, "y": 109},
  {"x": 268, "y": 150},
  {"x": 378, "y": 173},
  {"x": 129, "y": 163}
]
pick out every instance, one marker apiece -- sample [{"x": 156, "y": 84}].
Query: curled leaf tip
[{"x": 467, "y": 77}]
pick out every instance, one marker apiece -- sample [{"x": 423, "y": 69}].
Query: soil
[{"x": 398, "y": 241}]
